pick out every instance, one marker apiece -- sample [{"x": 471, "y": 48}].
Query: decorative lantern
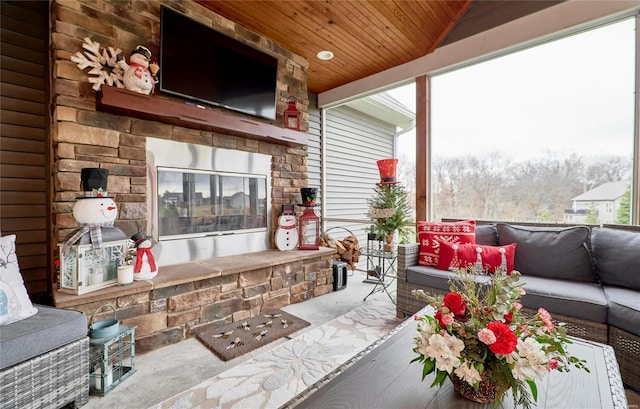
[
  {"x": 292, "y": 115},
  {"x": 309, "y": 230},
  {"x": 83, "y": 269},
  {"x": 309, "y": 221},
  {"x": 111, "y": 360}
]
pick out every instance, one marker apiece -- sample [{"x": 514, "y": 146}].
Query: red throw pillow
[
  {"x": 430, "y": 234},
  {"x": 466, "y": 255}
]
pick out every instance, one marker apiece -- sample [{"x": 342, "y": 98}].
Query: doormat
[{"x": 235, "y": 339}]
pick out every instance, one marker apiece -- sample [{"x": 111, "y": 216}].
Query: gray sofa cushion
[
  {"x": 624, "y": 308},
  {"x": 432, "y": 277},
  {"x": 551, "y": 252},
  {"x": 616, "y": 253},
  {"x": 580, "y": 300},
  {"x": 487, "y": 234},
  {"x": 45, "y": 331}
]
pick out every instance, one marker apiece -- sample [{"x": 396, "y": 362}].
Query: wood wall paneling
[{"x": 24, "y": 157}]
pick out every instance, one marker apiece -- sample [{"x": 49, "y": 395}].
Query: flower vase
[
  {"x": 125, "y": 274},
  {"x": 487, "y": 390},
  {"x": 388, "y": 243}
]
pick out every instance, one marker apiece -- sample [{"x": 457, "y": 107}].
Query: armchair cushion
[{"x": 45, "y": 331}]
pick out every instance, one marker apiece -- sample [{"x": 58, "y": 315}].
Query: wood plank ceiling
[{"x": 366, "y": 37}]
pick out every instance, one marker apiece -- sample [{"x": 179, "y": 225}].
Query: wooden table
[{"x": 382, "y": 377}]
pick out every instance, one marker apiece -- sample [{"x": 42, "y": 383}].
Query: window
[
  {"x": 202, "y": 203},
  {"x": 516, "y": 138}
]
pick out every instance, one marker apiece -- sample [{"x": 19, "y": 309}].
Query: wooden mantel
[{"x": 124, "y": 102}]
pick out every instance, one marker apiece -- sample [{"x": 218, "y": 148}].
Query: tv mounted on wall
[{"x": 201, "y": 64}]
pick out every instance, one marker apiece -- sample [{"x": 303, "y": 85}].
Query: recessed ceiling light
[{"x": 325, "y": 55}]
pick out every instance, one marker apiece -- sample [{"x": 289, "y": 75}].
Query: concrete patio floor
[{"x": 167, "y": 371}]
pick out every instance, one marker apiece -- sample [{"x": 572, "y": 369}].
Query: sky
[{"x": 575, "y": 95}]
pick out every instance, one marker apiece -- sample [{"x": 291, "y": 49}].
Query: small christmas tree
[{"x": 389, "y": 211}]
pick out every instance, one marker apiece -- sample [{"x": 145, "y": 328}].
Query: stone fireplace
[
  {"x": 112, "y": 128},
  {"x": 206, "y": 278}
]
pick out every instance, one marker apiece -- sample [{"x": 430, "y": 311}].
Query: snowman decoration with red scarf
[
  {"x": 139, "y": 75},
  {"x": 145, "y": 267}
]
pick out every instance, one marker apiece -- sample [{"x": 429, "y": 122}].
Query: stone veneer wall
[{"x": 83, "y": 137}]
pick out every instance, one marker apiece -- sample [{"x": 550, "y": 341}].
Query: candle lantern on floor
[
  {"x": 309, "y": 221},
  {"x": 111, "y": 355}
]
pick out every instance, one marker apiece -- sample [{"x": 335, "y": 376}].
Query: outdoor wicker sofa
[
  {"x": 44, "y": 360},
  {"x": 596, "y": 292}
]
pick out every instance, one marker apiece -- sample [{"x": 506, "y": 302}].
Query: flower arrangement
[{"x": 480, "y": 338}]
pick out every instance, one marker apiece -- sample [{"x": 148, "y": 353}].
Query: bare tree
[{"x": 492, "y": 187}]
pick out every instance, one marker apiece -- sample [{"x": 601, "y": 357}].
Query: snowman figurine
[
  {"x": 139, "y": 75},
  {"x": 94, "y": 210},
  {"x": 99, "y": 210},
  {"x": 145, "y": 267},
  {"x": 287, "y": 232}
]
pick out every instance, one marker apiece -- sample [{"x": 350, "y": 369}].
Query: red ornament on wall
[{"x": 292, "y": 115}]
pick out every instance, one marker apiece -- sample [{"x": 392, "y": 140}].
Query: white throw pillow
[{"x": 15, "y": 304}]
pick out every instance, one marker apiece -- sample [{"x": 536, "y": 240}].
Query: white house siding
[
  {"x": 353, "y": 142},
  {"x": 314, "y": 164}
]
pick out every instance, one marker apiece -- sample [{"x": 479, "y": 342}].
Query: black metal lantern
[{"x": 292, "y": 115}]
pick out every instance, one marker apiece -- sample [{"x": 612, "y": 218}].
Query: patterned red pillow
[
  {"x": 466, "y": 255},
  {"x": 430, "y": 234}
]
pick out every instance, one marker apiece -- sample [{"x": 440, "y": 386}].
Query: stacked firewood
[{"x": 347, "y": 249}]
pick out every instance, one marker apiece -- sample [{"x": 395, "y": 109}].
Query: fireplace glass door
[{"x": 200, "y": 203}]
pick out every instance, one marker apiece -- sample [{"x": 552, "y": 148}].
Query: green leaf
[
  {"x": 428, "y": 367},
  {"x": 534, "y": 390},
  {"x": 440, "y": 378}
]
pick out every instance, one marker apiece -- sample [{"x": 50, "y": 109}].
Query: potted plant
[{"x": 389, "y": 212}]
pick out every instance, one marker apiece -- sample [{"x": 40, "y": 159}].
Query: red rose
[
  {"x": 438, "y": 317},
  {"x": 505, "y": 338},
  {"x": 455, "y": 303},
  {"x": 508, "y": 317}
]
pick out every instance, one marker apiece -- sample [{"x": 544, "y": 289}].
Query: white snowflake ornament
[{"x": 104, "y": 65}]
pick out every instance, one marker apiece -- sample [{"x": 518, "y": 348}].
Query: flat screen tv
[{"x": 201, "y": 64}]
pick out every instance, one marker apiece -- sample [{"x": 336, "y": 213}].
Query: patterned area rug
[
  {"x": 272, "y": 378},
  {"x": 233, "y": 340}
]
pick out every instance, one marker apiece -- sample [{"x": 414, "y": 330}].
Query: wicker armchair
[{"x": 54, "y": 371}]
